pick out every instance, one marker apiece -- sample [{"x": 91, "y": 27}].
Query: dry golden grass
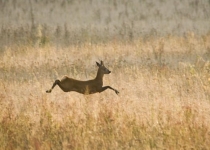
[{"x": 164, "y": 100}]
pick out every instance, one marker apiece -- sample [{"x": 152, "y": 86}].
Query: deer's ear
[
  {"x": 98, "y": 64},
  {"x": 102, "y": 63}
]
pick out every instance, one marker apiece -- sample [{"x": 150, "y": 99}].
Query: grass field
[
  {"x": 164, "y": 100},
  {"x": 159, "y": 55}
]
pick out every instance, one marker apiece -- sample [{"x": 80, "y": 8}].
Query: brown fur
[{"x": 84, "y": 87}]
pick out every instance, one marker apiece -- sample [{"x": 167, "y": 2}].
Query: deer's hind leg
[{"x": 54, "y": 84}]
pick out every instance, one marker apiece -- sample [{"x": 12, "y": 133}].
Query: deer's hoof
[
  {"x": 48, "y": 91},
  {"x": 117, "y": 92}
]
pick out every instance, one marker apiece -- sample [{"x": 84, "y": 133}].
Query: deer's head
[{"x": 102, "y": 68}]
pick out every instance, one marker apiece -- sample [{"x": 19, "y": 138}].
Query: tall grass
[
  {"x": 164, "y": 100},
  {"x": 67, "y": 22},
  {"x": 161, "y": 70}
]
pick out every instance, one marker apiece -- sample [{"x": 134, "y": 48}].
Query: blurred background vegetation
[{"x": 66, "y": 22}]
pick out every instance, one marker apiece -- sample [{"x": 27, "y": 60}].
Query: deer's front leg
[{"x": 108, "y": 87}]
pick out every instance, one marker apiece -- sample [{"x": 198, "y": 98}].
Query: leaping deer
[{"x": 85, "y": 87}]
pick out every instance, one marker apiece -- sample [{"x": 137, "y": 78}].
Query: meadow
[
  {"x": 159, "y": 56},
  {"x": 164, "y": 100}
]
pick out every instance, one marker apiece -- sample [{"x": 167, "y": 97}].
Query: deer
[{"x": 85, "y": 87}]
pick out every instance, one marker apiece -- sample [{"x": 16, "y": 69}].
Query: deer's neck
[{"x": 99, "y": 75}]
